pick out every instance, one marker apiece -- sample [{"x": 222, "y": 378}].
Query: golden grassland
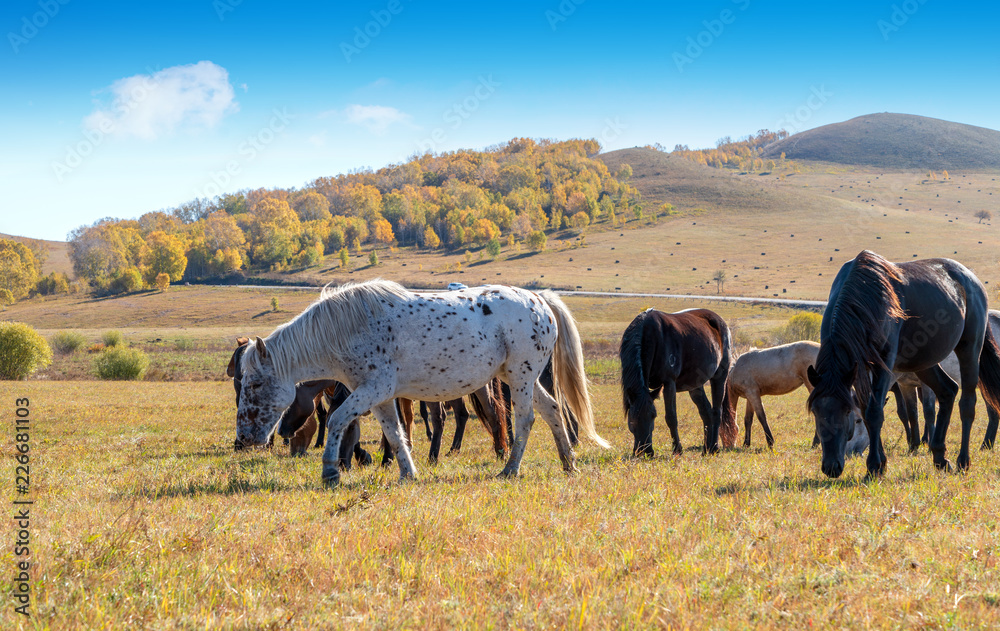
[{"x": 144, "y": 517}]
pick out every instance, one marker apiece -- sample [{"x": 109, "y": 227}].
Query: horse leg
[
  {"x": 363, "y": 457},
  {"x": 710, "y": 427},
  {"x": 461, "y": 418},
  {"x": 521, "y": 401},
  {"x": 989, "y": 438},
  {"x": 385, "y": 413},
  {"x": 670, "y": 414},
  {"x": 423, "y": 415},
  {"x": 437, "y": 414},
  {"x": 747, "y": 422},
  {"x": 875, "y": 418},
  {"x": 968, "y": 361},
  {"x": 762, "y": 417},
  {"x": 927, "y": 401},
  {"x": 945, "y": 389},
  {"x": 906, "y": 410},
  {"x": 549, "y": 409},
  {"x": 321, "y": 415},
  {"x": 348, "y": 444},
  {"x": 359, "y": 401}
]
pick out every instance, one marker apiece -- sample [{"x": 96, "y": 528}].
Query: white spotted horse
[{"x": 383, "y": 341}]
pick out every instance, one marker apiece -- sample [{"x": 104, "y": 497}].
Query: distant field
[{"x": 146, "y": 519}]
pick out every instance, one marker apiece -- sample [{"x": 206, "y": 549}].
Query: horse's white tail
[{"x": 569, "y": 378}]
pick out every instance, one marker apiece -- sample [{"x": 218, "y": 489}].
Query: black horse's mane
[{"x": 857, "y": 332}]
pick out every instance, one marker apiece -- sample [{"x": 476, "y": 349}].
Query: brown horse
[
  {"x": 678, "y": 352},
  {"x": 490, "y": 407}
]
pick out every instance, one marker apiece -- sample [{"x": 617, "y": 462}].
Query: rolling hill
[
  {"x": 895, "y": 141},
  {"x": 58, "y": 254}
]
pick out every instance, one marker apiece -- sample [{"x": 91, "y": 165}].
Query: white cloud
[
  {"x": 377, "y": 118},
  {"x": 318, "y": 140},
  {"x": 148, "y": 106}
]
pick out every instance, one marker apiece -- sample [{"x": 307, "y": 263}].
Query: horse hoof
[
  {"x": 963, "y": 464},
  {"x": 365, "y": 459},
  {"x": 944, "y": 465},
  {"x": 331, "y": 481},
  {"x": 507, "y": 474}
]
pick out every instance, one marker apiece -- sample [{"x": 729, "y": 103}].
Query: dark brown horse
[
  {"x": 491, "y": 409},
  {"x": 883, "y": 318},
  {"x": 678, "y": 352}
]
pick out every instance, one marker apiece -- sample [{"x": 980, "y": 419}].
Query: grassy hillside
[{"x": 895, "y": 141}]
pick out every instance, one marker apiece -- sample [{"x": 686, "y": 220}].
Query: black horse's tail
[
  {"x": 637, "y": 403},
  {"x": 989, "y": 370}
]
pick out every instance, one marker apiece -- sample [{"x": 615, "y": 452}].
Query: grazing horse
[
  {"x": 909, "y": 386},
  {"x": 775, "y": 371},
  {"x": 883, "y": 318},
  {"x": 490, "y": 408},
  {"x": 303, "y": 413},
  {"x": 383, "y": 342},
  {"x": 770, "y": 371},
  {"x": 678, "y": 352}
]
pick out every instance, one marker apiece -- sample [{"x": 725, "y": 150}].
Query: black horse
[
  {"x": 678, "y": 352},
  {"x": 909, "y": 389},
  {"x": 883, "y": 317}
]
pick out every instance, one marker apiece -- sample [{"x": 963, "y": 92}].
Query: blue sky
[{"x": 119, "y": 108}]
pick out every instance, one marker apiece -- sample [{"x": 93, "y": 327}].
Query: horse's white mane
[{"x": 327, "y": 328}]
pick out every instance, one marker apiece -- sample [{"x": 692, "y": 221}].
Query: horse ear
[
  {"x": 242, "y": 341},
  {"x": 813, "y": 376},
  {"x": 261, "y": 349},
  {"x": 231, "y": 368}
]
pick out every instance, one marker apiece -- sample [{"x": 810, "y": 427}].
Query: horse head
[
  {"x": 263, "y": 396},
  {"x": 831, "y": 404}
]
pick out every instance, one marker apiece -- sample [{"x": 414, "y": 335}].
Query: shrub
[
  {"x": 113, "y": 338},
  {"x": 274, "y": 303},
  {"x": 130, "y": 280},
  {"x": 801, "y": 326},
  {"x": 184, "y": 344},
  {"x": 66, "y": 342},
  {"x": 96, "y": 348},
  {"x": 121, "y": 364},
  {"x": 22, "y": 351},
  {"x": 6, "y": 297},
  {"x": 162, "y": 281}
]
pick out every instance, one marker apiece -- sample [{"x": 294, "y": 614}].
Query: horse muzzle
[{"x": 833, "y": 468}]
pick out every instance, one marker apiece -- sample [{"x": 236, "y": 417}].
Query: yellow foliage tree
[{"x": 164, "y": 255}]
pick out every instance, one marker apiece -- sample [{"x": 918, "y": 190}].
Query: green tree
[
  {"x": 373, "y": 258},
  {"x": 345, "y": 258},
  {"x": 537, "y": 241},
  {"x": 493, "y": 248}
]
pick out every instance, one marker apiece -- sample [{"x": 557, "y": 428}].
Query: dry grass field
[
  {"x": 146, "y": 519},
  {"x": 144, "y": 516}
]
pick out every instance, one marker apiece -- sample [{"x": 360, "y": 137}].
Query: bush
[
  {"x": 22, "y": 351},
  {"x": 801, "y": 326},
  {"x": 121, "y": 364},
  {"x": 130, "y": 280},
  {"x": 66, "y": 342},
  {"x": 274, "y": 304},
  {"x": 162, "y": 281},
  {"x": 113, "y": 338}
]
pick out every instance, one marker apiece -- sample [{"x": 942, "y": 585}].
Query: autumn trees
[{"x": 460, "y": 199}]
